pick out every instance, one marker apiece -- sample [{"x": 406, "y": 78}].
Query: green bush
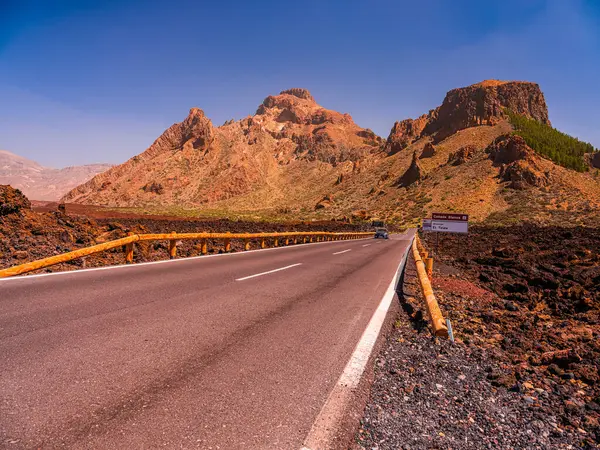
[{"x": 559, "y": 147}]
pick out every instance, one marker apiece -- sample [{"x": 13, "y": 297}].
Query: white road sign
[{"x": 449, "y": 226}]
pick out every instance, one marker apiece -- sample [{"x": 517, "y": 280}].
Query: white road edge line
[
  {"x": 330, "y": 415},
  {"x": 266, "y": 273},
  {"x": 191, "y": 258},
  {"x": 343, "y": 251}
]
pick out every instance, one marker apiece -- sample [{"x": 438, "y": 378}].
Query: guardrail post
[
  {"x": 173, "y": 246},
  {"x": 263, "y": 243},
  {"x": 227, "y": 245},
  {"x": 204, "y": 246},
  {"x": 246, "y": 244},
  {"x": 296, "y": 240},
  {"x": 129, "y": 250},
  {"x": 429, "y": 268},
  {"x": 287, "y": 241},
  {"x": 304, "y": 239},
  {"x": 276, "y": 242}
]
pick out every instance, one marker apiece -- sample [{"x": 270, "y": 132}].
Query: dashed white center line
[
  {"x": 343, "y": 251},
  {"x": 265, "y": 273},
  {"x": 366, "y": 245}
]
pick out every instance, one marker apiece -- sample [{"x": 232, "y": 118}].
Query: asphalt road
[{"x": 195, "y": 353}]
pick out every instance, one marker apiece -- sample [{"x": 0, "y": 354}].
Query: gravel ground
[{"x": 430, "y": 394}]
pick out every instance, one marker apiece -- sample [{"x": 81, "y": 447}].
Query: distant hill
[
  {"x": 295, "y": 159},
  {"x": 42, "y": 183}
]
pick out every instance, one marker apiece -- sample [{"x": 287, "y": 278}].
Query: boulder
[
  {"x": 521, "y": 174},
  {"x": 462, "y": 155},
  {"x": 325, "y": 202}
]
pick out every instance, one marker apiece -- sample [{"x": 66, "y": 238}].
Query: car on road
[{"x": 381, "y": 233}]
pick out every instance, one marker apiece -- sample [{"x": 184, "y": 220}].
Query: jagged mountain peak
[{"x": 298, "y": 92}]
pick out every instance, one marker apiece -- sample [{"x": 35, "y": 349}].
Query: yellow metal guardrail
[
  {"x": 433, "y": 309},
  {"x": 128, "y": 244}
]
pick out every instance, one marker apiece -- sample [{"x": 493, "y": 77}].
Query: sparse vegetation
[{"x": 559, "y": 147}]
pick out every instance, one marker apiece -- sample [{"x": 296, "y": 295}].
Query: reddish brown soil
[
  {"x": 27, "y": 235},
  {"x": 530, "y": 297}
]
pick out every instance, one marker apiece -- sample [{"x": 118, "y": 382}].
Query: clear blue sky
[{"x": 97, "y": 81}]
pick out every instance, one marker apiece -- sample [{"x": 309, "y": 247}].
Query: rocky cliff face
[
  {"x": 484, "y": 104},
  {"x": 405, "y": 133},
  {"x": 193, "y": 162},
  {"x": 43, "y": 183},
  {"x": 479, "y": 104}
]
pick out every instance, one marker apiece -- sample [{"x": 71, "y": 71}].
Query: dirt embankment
[{"x": 530, "y": 297}]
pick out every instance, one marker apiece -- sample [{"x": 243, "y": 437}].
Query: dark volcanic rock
[{"x": 547, "y": 334}]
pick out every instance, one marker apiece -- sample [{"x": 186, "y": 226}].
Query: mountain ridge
[
  {"x": 293, "y": 153},
  {"x": 38, "y": 182}
]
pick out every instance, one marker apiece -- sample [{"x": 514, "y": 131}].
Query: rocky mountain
[
  {"x": 294, "y": 158},
  {"x": 480, "y": 104},
  {"x": 289, "y": 149},
  {"x": 43, "y": 183}
]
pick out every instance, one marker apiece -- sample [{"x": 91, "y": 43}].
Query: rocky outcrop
[
  {"x": 521, "y": 174},
  {"x": 594, "y": 160},
  {"x": 476, "y": 105},
  {"x": 12, "y": 200},
  {"x": 484, "y": 104},
  {"x": 404, "y": 133},
  {"x": 518, "y": 163},
  {"x": 462, "y": 155},
  {"x": 507, "y": 149},
  {"x": 428, "y": 151},
  {"x": 412, "y": 175},
  {"x": 299, "y": 92},
  {"x": 325, "y": 202}
]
